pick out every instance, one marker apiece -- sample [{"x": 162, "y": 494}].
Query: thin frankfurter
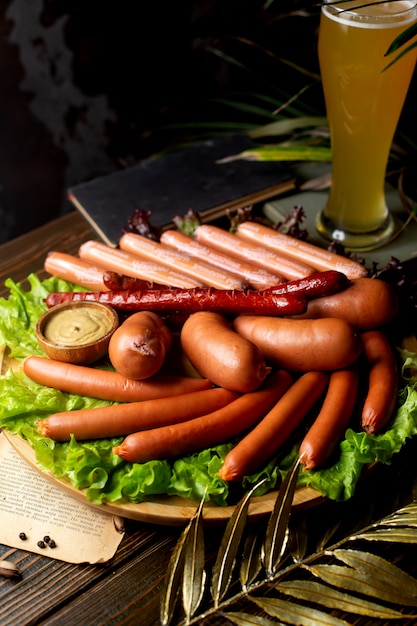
[
  {"x": 264, "y": 441},
  {"x": 209, "y": 430},
  {"x": 124, "y": 263},
  {"x": 256, "y": 277},
  {"x": 203, "y": 272},
  {"x": 220, "y": 354},
  {"x": 106, "y": 384},
  {"x": 297, "y": 249},
  {"x": 271, "y": 260},
  {"x": 334, "y": 416},
  {"x": 123, "y": 419},
  {"x": 367, "y": 304},
  {"x": 190, "y": 300},
  {"x": 302, "y": 345},
  {"x": 381, "y": 397},
  {"x": 75, "y": 270}
]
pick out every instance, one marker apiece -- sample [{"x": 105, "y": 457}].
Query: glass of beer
[{"x": 363, "y": 104}]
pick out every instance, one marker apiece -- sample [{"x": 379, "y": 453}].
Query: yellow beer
[{"x": 363, "y": 106}]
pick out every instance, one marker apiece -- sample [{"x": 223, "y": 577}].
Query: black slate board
[{"x": 173, "y": 184}]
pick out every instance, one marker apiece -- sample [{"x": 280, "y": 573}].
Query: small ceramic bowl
[{"x": 77, "y": 332}]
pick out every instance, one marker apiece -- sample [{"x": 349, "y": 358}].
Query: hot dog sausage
[
  {"x": 123, "y": 419},
  {"x": 367, "y": 304},
  {"x": 202, "y": 432},
  {"x": 220, "y": 354},
  {"x": 263, "y": 441},
  {"x": 302, "y": 345},
  {"x": 207, "y": 274},
  {"x": 256, "y": 254},
  {"x": 256, "y": 277},
  {"x": 381, "y": 396},
  {"x": 124, "y": 263},
  {"x": 298, "y": 249},
  {"x": 105, "y": 384},
  {"x": 75, "y": 270},
  {"x": 330, "y": 424}
]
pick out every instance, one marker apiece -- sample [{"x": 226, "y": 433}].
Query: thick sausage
[
  {"x": 203, "y": 432},
  {"x": 271, "y": 260},
  {"x": 265, "y": 440},
  {"x": 203, "y": 272},
  {"x": 220, "y": 354},
  {"x": 302, "y": 345},
  {"x": 123, "y": 419},
  {"x": 122, "y": 262},
  {"x": 75, "y": 270},
  {"x": 256, "y": 277},
  {"x": 381, "y": 397},
  {"x": 367, "y": 304},
  {"x": 298, "y": 249},
  {"x": 105, "y": 384},
  {"x": 334, "y": 416},
  {"x": 138, "y": 347}
]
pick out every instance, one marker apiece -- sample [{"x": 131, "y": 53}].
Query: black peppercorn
[
  {"x": 22, "y": 536},
  {"x": 41, "y": 544},
  {"x": 52, "y": 543}
]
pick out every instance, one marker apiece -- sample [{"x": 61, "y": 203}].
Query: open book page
[{"x": 33, "y": 508}]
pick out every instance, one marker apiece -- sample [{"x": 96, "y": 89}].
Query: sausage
[
  {"x": 314, "y": 286},
  {"x": 123, "y": 419},
  {"x": 258, "y": 255},
  {"x": 138, "y": 347},
  {"x": 115, "y": 281},
  {"x": 105, "y": 384},
  {"x": 367, "y": 304},
  {"x": 220, "y": 354},
  {"x": 227, "y": 301},
  {"x": 302, "y": 345},
  {"x": 264, "y": 441},
  {"x": 124, "y": 263},
  {"x": 205, "y": 431},
  {"x": 75, "y": 270},
  {"x": 203, "y": 272},
  {"x": 381, "y": 397},
  {"x": 297, "y": 249},
  {"x": 256, "y": 277},
  {"x": 334, "y": 416}
]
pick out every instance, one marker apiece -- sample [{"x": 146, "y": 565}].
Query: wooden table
[{"x": 127, "y": 590}]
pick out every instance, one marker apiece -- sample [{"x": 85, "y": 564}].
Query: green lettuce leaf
[{"x": 92, "y": 466}]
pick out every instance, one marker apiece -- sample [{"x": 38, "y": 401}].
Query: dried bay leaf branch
[{"x": 226, "y": 557}]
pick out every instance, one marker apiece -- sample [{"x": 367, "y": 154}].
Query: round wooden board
[{"x": 168, "y": 510}]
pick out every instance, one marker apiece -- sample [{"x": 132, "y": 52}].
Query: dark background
[{"x": 88, "y": 87}]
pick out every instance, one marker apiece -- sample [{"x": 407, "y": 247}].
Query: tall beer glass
[{"x": 363, "y": 105}]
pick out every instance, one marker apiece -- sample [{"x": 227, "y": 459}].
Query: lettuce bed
[{"x": 107, "y": 478}]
